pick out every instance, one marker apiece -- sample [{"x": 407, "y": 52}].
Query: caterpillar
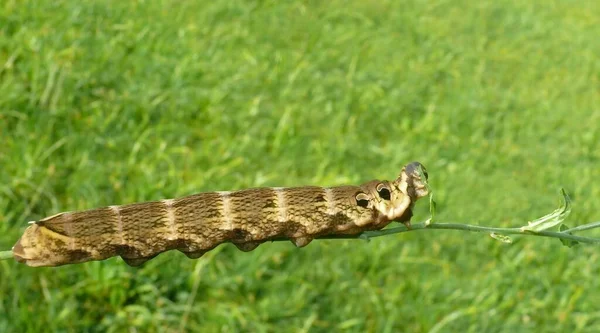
[{"x": 198, "y": 223}]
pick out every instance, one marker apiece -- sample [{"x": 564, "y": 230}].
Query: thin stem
[
  {"x": 475, "y": 228},
  {"x": 583, "y": 227},
  {"x": 449, "y": 226},
  {"x": 472, "y": 228},
  {"x": 5, "y": 255}
]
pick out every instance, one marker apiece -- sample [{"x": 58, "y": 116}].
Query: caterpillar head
[{"x": 394, "y": 200}]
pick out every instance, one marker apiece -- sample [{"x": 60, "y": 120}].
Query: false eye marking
[
  {"x": 383, "y": 191},
  {"x": 362, "y": 199}
]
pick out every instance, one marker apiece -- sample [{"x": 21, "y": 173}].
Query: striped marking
[
  {"x": 227, "y": 209},
  {"x": 69, "y": 229},
  {"x": 53, "y": 216},
  {"x": 117, "y": 211},
  {"x": 330, "y": 201},
  {"x": 170, "y": 218},
  {"x": 281, "y": 204}
]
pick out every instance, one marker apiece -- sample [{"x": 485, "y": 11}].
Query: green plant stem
[
  {"x": 472, "y": 228},
  {"x": 5, "y": 255},
  {"x": 450, "y": 226},
  {"x": 583, "y": 227}
]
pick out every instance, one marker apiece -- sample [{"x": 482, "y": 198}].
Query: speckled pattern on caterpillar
[{"x": 197, "y": 223}]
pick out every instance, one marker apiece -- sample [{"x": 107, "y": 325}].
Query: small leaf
[
  {"x": 502, "y": 238},
  {"x": 432, "y": 206},
  {"x": 556, "y": 217},
  {"x": 566, "y": 242}
]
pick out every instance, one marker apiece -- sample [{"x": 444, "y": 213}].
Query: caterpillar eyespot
[
  {"x": 198, "y": 223},
  {"x": 384, "y": 192},
  {"x": 362, "y": 200}
]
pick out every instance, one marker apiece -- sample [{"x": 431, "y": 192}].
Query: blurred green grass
[{"x": 114, "y": 102}]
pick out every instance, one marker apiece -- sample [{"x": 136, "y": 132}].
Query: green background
[{"x": 111, "y": 102}]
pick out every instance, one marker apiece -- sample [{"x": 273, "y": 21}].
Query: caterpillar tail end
[{"x": 19, "y": 253}]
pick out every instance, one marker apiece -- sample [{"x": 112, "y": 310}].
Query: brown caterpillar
[{"x": 198, "y": 223}]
